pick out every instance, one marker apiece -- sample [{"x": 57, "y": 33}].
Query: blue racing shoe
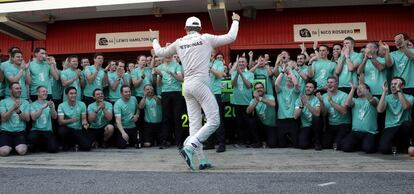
[
  {"x": 187, "y": 154},
  {"x": 204, "y": 164}
]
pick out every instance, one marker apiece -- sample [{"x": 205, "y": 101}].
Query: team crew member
[
  {"x": 364, "y": 121},
  {"x": 126, "y": 115},
  {"x": 40, "y": 69},
  {"x": 14, "y": 114},
  {"x": 347, "y": 65},
  {"x": 151, "y": 104},
  {"x": 264, "y": 105},
  {"x": 402, "y": 62},
  {"x": 302, "y": 70},
  {"x": 99, "y": 116},
  {"x": 321, "y": 69},
  {"x": 72, "y": 117},
  {"x": 216, "y": 75},
  {"x": 116, "y": 80},
  {"x": 262, "y": 70},
  {"x": 194, "y": 51},
  {"x": 3, "y": 86},
  {"x": 42, "y": 112},
  {"x": 95, "y": 78},
  {"x": 307, "y": 107},
  {"x": 339, "y": 120},
  {"x": 286, "y": 97},
  {"x": 242, "y": 82},
  {"x": 71, "y": 77},
  {"x": 169, "y": 79},
  {"x": 17, "y": 71},
  {"x": 398, "y": 122}
]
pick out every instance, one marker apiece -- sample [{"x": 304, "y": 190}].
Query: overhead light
[
  {"x": 280, "y": 5},
  {"x": 157, "y": 12}
]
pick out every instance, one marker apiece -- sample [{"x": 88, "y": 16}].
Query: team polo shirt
[
  {"x": 241, "y": 94},
  {"x": 336, "y": 118},
  {"x": 97, "y": 83},
  {"x": 265, "y": 113},
  {"x": 364, "y": 116},
  {"x": 322, "y": 68},
  {"x": 40, "y": 76},
  {"x": 69, "y": 74},
  {"x": 169, "y": 83},
  {"x": 153, "y": 111},
  {"x": 306, "y": 116},
  {"x": 126, "y": 110},
  {"x": 395, "y": 114},
  {"x": 403, "y": 67},
  {"x": 14, "y": 123},
  {"x": 100, "y": 121},
  {"x": 44, "y": 121},
  {"x": 345, "y": 76},
  {"x": 69, "y": 112},
  {"x": 216, "y": 82}
]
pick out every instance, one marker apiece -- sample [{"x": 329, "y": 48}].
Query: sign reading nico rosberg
[
  {"x": 123, "y": 40},
  {"x": 329, "y": 32}
]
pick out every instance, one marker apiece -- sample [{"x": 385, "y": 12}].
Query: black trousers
[
  {"x": 141, "y": 121},
  {"x": 335, "y": 134},
  {"x": 40, "y": 139},
  {"x": 307, "y": 135},
  {"x": 398, "y": 136},
  {"x": 288, "y": 132},
  {"x": 121, "y": 143},
  {"x": 172, "y": 108},
  {"x": 152, "y": 133},
  {"x": 242, "y": 124},
  {"x": 357, "y": 140},
  {"x": 70, "y": 136}
]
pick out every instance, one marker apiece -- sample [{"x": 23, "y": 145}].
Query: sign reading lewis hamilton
[
  {"x": 123, "y": 40},
  {"x": 329, "y": 32}
]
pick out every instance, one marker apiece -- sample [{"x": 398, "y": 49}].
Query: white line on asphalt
[{"x": 326, "y": 184}]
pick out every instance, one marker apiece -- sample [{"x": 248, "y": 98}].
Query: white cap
[{"x": 193, "y": 22}]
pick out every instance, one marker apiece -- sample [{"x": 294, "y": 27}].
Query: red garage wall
[{"x": 270, "y": 29}]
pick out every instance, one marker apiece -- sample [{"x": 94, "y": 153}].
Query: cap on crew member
[{"x": 193, "y": 22}]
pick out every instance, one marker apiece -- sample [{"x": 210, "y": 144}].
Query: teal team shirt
[
  {"x": 301, "y": 81},
  {"x": 364, "y": 116},
  {"x": 216, "y": 82},
  {"x": 14, "y": 123},
  {"x": 336, "y": 118},
  {"x": 114, "y": 95},
  {"x": 137, "y": 73},
  {"x": 69, "y": 74},
  {"x": 68, "y": 112},
  {"x": 395, "y": 114},
  {"x": 100, "y": 121},
  {"x": 322, "y": 70},
  {"x": 375, "y": 78},
  {"x": 306, "y": 116},
  {"x": 265, "y": 113},
  {"x": 153, "y": 111},
  {"x": 11, "y": 71},
  {"x": 403, "y": 67},
  {"x": 286, "y": 98},
  {"x": 97, "y": 83},
  {"x": 44, "y": 121},
  {"x": 345, "y": 76},
  {"x": 2, "y": 84},
  {"x": 40, "y": 76},
  {"x": 126, "y": 110},
  {"x": 57, "y": 88},
  {"x": 241, "y": 94},
  {"x": 169, "y": 83}
]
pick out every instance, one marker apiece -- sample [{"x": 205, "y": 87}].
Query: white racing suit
[{"x": 194, "y": 51}]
